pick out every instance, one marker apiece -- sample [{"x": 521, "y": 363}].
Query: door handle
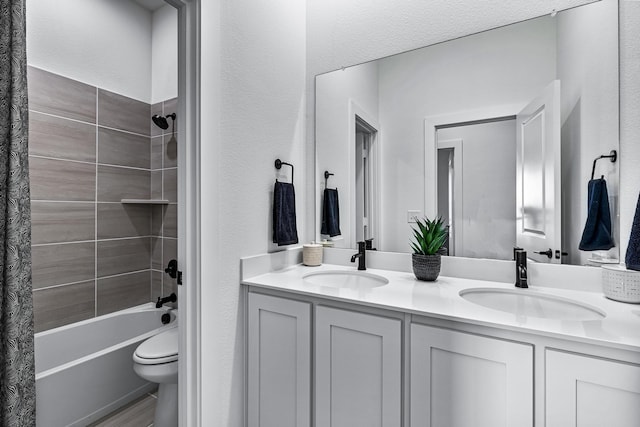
[{"x": 548, "y": 253}]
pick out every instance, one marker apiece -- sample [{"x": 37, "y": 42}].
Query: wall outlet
[{"x": 412, "y": 216}]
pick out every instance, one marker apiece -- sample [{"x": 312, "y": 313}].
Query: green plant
[{"x": 429, "y": 237}]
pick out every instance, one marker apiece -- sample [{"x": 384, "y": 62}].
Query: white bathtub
[{"x": 85, "y": 370}]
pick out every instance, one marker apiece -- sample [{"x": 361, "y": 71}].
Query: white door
[
  {"x": 586, "y": 391},
  {"x": 460, "y": 380},
  {"x": 538, "y": 208},
  {"x": 358, "y": 377},
  {"x": 279, "y": 362}
]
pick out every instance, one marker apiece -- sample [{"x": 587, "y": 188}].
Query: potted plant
[{"x": 427, "y": 245}]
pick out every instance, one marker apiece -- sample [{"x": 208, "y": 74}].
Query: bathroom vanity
[{"x": 330, "y": 346}]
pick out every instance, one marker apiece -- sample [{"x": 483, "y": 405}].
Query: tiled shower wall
[{"x": 89, "y": 148}]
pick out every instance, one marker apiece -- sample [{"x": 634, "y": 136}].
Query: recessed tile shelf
[{"x": 145, "y": 201}]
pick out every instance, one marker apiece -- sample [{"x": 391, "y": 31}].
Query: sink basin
[
  {"x": 345, "y": 279},
  {"x": 522, "y": 303}
]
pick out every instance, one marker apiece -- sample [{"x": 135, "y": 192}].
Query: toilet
[{"x": 156, "y": 360}]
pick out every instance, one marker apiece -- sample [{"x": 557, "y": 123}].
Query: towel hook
[
  {"x": 613, "y": 155},
  {"x": 279, "y": 164},
  {"x": 326, "y": 178}
]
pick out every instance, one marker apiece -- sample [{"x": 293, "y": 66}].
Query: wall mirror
[{"x": 496, "y": 132}]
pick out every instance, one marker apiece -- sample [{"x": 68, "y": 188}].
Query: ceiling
[{"x": 151, "y": 5}]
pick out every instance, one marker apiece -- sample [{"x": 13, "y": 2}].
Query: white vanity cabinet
[
  {"x": 586, "y": 391},
  {"x": 358, "y": 376},
  {"x": 279, "y": 362},
  {"x": 460, "y": 379}
]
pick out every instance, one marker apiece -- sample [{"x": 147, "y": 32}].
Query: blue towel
[
  {"x": 330, "y": 213},
  {"x": 632, "y": 258},
  {"x": 284, "y": 214},
  {"x": 597, "y": 231}
]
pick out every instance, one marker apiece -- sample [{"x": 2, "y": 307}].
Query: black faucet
[
  {"x": 520, "y": 257},
  {"x": 162, "y": 301},
  {"x": 361, "y": 256}
]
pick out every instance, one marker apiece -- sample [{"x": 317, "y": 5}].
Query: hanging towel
[
  {"x": 597, "y": 231},
  {"x": 632, "y": 258},
  {"x": 330, "y": 213},
  {"x": 284, "y": 214}
]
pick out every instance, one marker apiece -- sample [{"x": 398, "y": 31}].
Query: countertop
[{"x": 441, "y": 299}]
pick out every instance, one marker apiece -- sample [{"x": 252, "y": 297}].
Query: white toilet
[{"x": 156, "y": 360}]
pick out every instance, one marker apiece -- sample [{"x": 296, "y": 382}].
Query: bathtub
[{"x": 85, "y": 370}]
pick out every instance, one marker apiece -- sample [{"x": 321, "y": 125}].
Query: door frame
[
  {"x": 189, "y": 229},
  {"x": 456, "y": 145},
  {"x": 431, "y": 125}
]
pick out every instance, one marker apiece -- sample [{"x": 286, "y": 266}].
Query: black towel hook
[
  {"x": 613, "y": 155},
  {"x": 326, "y": 178},
  {"x": 279, "y": 164}
]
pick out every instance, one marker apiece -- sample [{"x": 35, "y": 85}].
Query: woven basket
[
  {"x": 621, "y": 284},
  {"x": 426, "y": 267}
]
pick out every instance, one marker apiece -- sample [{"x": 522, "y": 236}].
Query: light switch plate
[{"x": 412, "y": 216}]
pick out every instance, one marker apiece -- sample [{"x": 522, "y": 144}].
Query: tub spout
[{"x": 162, "y": 301}]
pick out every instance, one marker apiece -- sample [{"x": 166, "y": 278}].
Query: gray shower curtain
[{"x": 17, "y": 374}]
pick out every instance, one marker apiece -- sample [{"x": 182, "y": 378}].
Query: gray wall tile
[
  {"x": 54, "y": 94},
  {"x": 54, "y": 222},
  {"x": 156, "y": 184},
  {"x": 121, "y": 112},
  {"x": 63, "y": 263},
  {"x": 157, "y": 153},
  {"x": 156, "y": 254},
  {"x": 116, "y": 183},
  {"x": 169, "y": 250},
  {"x": 120, "y": 292},
  {"x": 61, "y": 180},
  {"x": 117, "y": 220},
  {"x": 170, "y": 148},
  {"x": 157, "y": 218},
  {"x": 156, "y": 284},
  {"x": 170, "y": 222},
  {"x": 51, "y": 136},
  {"x": 123, "y": 256},
  {"x": 170, "y": 185},
  {"x": 63, "y": 305},
  {"x": 122, "y": 148}
]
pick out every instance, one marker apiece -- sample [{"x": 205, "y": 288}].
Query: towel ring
[
  {"x": 613, "y": 155},
  {"x": 326, "y": 178},
  {"x": 279, "y": 164}
]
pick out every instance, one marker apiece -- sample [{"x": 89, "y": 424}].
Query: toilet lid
[{"x": 161, "y": 348}]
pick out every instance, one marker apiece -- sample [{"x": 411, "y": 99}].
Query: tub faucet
[
  {"x": 361, "y": 256},
  {"x": 520, "y": 256},
  {"x": 162, "y": 301}
]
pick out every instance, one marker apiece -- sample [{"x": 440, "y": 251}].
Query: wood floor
[{"x": 138, "y": 413}]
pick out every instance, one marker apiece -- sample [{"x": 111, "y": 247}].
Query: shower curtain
[{"x": 17, "y": 373}]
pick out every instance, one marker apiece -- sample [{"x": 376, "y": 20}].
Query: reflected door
[{"x": 538, "y": 209}]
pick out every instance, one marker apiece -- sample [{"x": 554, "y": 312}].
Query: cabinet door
[
  {"x": 279, "y": 362},
  {"x": 358, "y": 369},
  {"x": 585, "y": 391},
  {"x": 460, "y": 379}
]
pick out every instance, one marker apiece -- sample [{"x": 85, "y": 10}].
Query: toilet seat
[{"x": 159, "y": 349}]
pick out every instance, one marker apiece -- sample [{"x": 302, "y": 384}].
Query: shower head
[{"x": 162, "y": 122}]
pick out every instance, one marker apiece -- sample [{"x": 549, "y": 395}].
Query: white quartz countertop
[{"x": 441, "y": 299}]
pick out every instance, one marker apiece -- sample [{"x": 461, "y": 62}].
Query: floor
[{"x": 138, "y": 413}]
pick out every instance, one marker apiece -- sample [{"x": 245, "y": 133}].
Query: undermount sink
[
  {"x": 522, "y": 303},
  {"x": 345, "y": 279}
]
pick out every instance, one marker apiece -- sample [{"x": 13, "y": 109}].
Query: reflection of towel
[
  {"x": 632, "y": 259},
  {"x": 597, "y": 231},
  {"x": 284, "y": 214},
  {"x": 330, "y": 213}
]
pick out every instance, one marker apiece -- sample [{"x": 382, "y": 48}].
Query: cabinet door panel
[
  {"x": 279, "y": 368},
  {"x": 585, "y": 391},
  {"x": 460, "y": 379},
  {"x": 358, "y": 369}
]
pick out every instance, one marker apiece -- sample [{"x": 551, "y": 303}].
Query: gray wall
[{"x": 90, "y": 148}]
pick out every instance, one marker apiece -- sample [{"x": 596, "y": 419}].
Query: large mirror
[{"x": 496, "y": 132}]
